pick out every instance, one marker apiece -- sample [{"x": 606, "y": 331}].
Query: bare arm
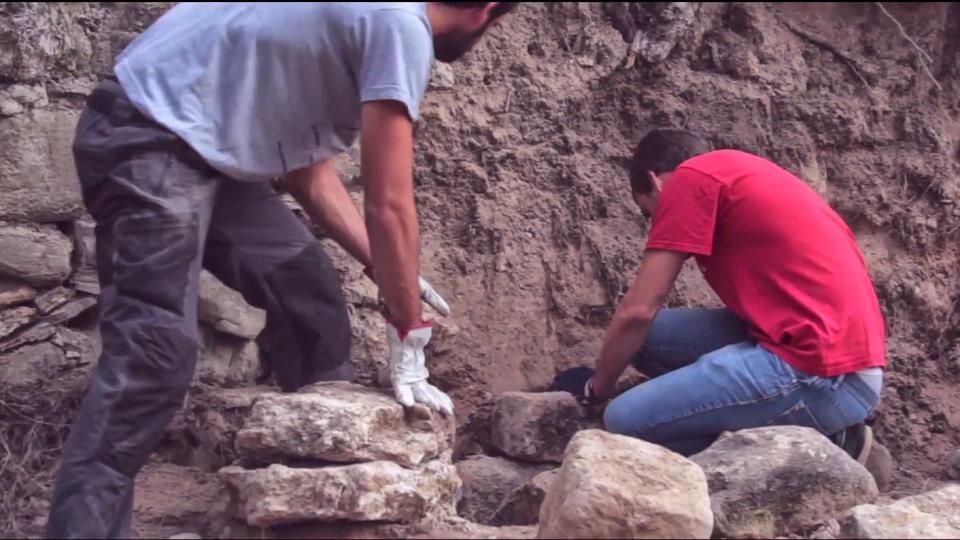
[
  {"x": 635, "y": 313},
  {"x": 322, "y": 195},
  {"x": 386, "y": 145}
]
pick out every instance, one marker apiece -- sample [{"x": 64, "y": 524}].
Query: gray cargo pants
[{"x": 161, "y": 214}]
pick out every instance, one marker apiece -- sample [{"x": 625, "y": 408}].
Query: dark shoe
[{"x": 856, "y": 441}]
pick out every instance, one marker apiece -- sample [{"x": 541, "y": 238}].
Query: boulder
[
  {"x": 52, "y": 299},
  {"x": 342, "y": 422},
  {"x": 361, "y": 492},
  {"x": 31, "y": 364},
  {"x": 227, "y": 361},
  {"x": 38, "y": 181},
  {"x": 38, "y": 255},
  {"x": 537, "y": 426},
  {"x": 486, "y": 483},
  {"x": 931, "y": 515},
  {"x": 14, "y": 319},
  {"x": 54, "y": 353},
  {"x": 71, "y": 310},
  {"x": 33, "y": 334},
  {"x": 612, "y": 486},
  {"x": 226, "y": 310},
  {"x": 522, "y": 505},
  {"x": 204, "y": 431},
  {"x": 771, "y": 481}
]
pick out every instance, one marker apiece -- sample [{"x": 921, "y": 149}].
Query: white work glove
[
  {"x": 432, "y": 297},
  {"x": 408, "y": 370}
]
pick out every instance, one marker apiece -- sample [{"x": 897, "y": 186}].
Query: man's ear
[{"x": 656, "y": 181}]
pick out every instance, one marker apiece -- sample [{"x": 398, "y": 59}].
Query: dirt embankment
[{"x": 527, "y": 225}]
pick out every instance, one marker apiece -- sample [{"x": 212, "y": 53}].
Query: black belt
[{"x": 109, "y": 98}]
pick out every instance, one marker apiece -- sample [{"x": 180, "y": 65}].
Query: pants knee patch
[{"x": 312, "y": 318}]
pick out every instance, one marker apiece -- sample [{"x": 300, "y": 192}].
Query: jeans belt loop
[{"x": 838, "y": 382}]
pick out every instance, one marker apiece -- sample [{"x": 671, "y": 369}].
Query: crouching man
[{"x": 800, "y": 340}]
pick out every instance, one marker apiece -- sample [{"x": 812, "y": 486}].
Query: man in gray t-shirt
[{"x": 176, "y": 155}]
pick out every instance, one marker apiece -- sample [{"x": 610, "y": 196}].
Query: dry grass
[{"x": 33, "y": 425}]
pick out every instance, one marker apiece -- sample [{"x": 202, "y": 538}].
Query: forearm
[
  {"x": 624, "y": 338},
  {"x": 323, "y": 197},
  {"x": 631, "y": 322},
  {"x": 386, "y": 146},
  {"x": 394, "y": 242}
]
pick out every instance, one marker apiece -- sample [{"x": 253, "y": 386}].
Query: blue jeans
[{"x": 709, "y": 377}]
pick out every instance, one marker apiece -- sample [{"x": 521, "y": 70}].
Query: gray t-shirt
[{"x": 261, "y": 89}]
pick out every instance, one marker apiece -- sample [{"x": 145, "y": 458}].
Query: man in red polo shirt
[{"x": 801, "y": 339}]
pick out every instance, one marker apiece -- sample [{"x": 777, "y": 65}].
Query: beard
[{"x": 453, "y": 44}]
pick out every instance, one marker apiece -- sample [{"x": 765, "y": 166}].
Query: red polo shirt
[{"x": 778, "y": 256}]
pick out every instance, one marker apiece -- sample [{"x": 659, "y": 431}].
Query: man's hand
[
  {"x": 408, "y": 370},
  {"x": 386, "y": 145},
  {"x": 577, "y": 381}
]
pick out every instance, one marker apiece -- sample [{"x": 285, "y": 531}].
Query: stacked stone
[{"x": 341, "y": 453}]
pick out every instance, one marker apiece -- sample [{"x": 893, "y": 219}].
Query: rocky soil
[{"x": 527, "y": 230}]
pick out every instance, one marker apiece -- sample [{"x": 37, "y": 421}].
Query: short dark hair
[
  {"x": 501, "y": 9},
  {"x": 660, "y": 151}
]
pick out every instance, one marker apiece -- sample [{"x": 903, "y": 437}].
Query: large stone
[
  {"x": 931, "y": 515},
  {"x": 36, "y": 254},
  {"x": 771, "y": 481},
  {"x": 342, "y": 422},
  {"x": 71, "y": 310},
  {"x": 487, "y": 481},
  {"x": 43, "y": 38},
  {"x": 537, "y": 426},
  {"x": 31, "y": 364},
  {"x": 38, "y": 181},
  {"x": 227, "y": 361},
  {"x": 14, "y": 319},
  {"x": 612, "y": 486},
  {"x": 63, "y": 350},
  {"x": 226, "y": 310},
  {"x": 204, "y": 431},
  {"x": 34, "y": 334},
  {"x": 522, "y": 505},
  {"x": 376, "y": 491},
  {"x": 52, "y": 299}
]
